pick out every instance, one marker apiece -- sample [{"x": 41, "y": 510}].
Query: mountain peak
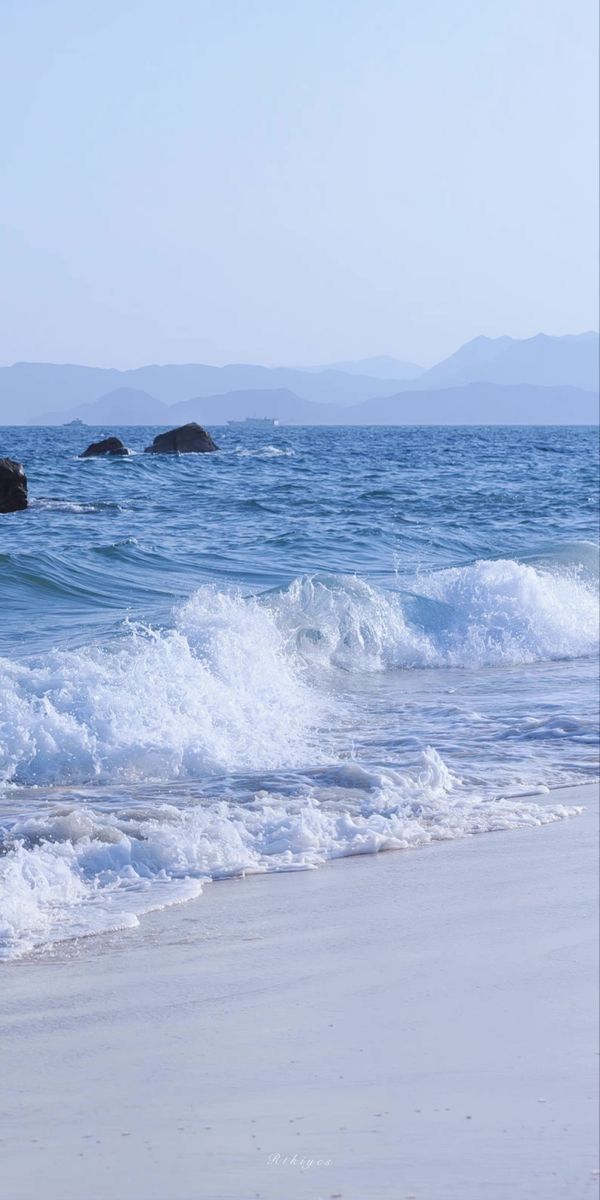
[{"x": 542, "y": 359}]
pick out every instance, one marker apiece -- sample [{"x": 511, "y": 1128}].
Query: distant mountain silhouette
[
  {"x": 481, "y": 404},
  {"x": 31, "y": 390},
  {"x": 472, "y": 404},
  {"x": 128, "y": 406},
  {"x": 280, "y": 403},
  {"x": 546, "y": 361},
  {"x": 381, "y": 367},
  {"x": 48, "y": 392},
  {"x": 174, "y": 383},
  {"x": 123, "y": 406}
]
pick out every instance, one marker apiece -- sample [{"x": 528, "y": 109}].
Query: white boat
[{"x": 261, "y": 422}]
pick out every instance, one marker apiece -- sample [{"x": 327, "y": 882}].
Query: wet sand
[{"x": 417, "y": 1024}]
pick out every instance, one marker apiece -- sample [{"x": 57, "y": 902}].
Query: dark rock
[
  {"x": 109, "y": 445},
  {"x": 13, "y": 486},
  {"x": 187, "y": 439}
]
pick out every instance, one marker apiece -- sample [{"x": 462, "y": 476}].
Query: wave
[
  {"x": 28, "y": 577},
  {"x": 215, "y": 691},
  {"x": 238, "y": 684},
  {"x": 75, "y": 870},
  {"x": 580, "y": 558},
  {"x": 489, "y": 613}
]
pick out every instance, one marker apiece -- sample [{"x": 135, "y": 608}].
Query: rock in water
[
  {"x": 13, "y": 486},
  {"x": 109, "y": 445},
  {"x": 187, "y": 439}
]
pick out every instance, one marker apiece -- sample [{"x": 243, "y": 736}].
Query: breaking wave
[
  {"x": 490, "y": 613},
  {"x": 215, "y": 691},
  {"x": 238, "y": 683}
]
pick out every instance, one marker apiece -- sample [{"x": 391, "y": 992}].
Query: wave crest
[
  {"x": 238, "y": 684},
  {"x": 490, "y": 613},
  {"x": 217, "y": 691}
]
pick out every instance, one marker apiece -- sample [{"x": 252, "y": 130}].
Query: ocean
[{"x": 315, "y": 643}]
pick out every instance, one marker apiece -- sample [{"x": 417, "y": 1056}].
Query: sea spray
[{"x": 216, "y": 690}]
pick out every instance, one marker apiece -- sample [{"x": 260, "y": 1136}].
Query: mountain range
[
  {"x": 542, "y": 360},
  {"x": 380, "y": 367},
  {"x": 488, "y": 380},
  {"x": 472, "y": 404}
]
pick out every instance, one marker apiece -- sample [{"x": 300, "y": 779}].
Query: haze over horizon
[
  {"x": 294, "y": 186},
  {"x": 351, "y": 365}
]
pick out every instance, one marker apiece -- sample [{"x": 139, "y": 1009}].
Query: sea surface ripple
[{"x": 315, "y": 642}]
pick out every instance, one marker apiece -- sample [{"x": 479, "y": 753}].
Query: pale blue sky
[{"x": 294, "y": 181}]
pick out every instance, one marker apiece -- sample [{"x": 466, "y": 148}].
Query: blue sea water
[{"x": 313, "y": 643}]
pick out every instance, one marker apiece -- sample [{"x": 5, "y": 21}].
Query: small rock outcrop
[
  {"x": 187, "y": 439},
  {"x": 109, "y": 445},
  {"x": 13, "y": 486}
]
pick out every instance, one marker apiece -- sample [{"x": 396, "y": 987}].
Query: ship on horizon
[{"x": 262, "y": 422}]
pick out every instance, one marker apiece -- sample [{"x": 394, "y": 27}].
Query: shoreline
[{"x": 419, "y": 1024}]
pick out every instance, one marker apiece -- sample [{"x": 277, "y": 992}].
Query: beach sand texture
[{"x": 418, "y": 1024}]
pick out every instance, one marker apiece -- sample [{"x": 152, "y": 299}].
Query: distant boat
[
  {"x": 261, "y": 422},
  {"x": 75, "y": 421}
]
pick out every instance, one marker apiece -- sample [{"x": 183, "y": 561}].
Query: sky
[{"x": 294, "y": 181}]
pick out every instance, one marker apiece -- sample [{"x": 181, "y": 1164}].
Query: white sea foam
[
  {"x": 485, "y": 614},
  {"x": 54, "y": 504},
  {"x": 215, "y": 691},
  {"x": 265, "y": 452},
  {"x": 238, "y": 683},
  {"x": 509, "y": 612},
  {"x": 75, "y": 870}
]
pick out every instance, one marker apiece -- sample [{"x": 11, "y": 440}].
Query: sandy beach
[
  {"x": 412, "y": 1024},
  {"x": 299, "y": 601}
]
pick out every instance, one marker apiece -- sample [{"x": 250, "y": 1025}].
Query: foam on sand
[{"x": 74, "y": 870}]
